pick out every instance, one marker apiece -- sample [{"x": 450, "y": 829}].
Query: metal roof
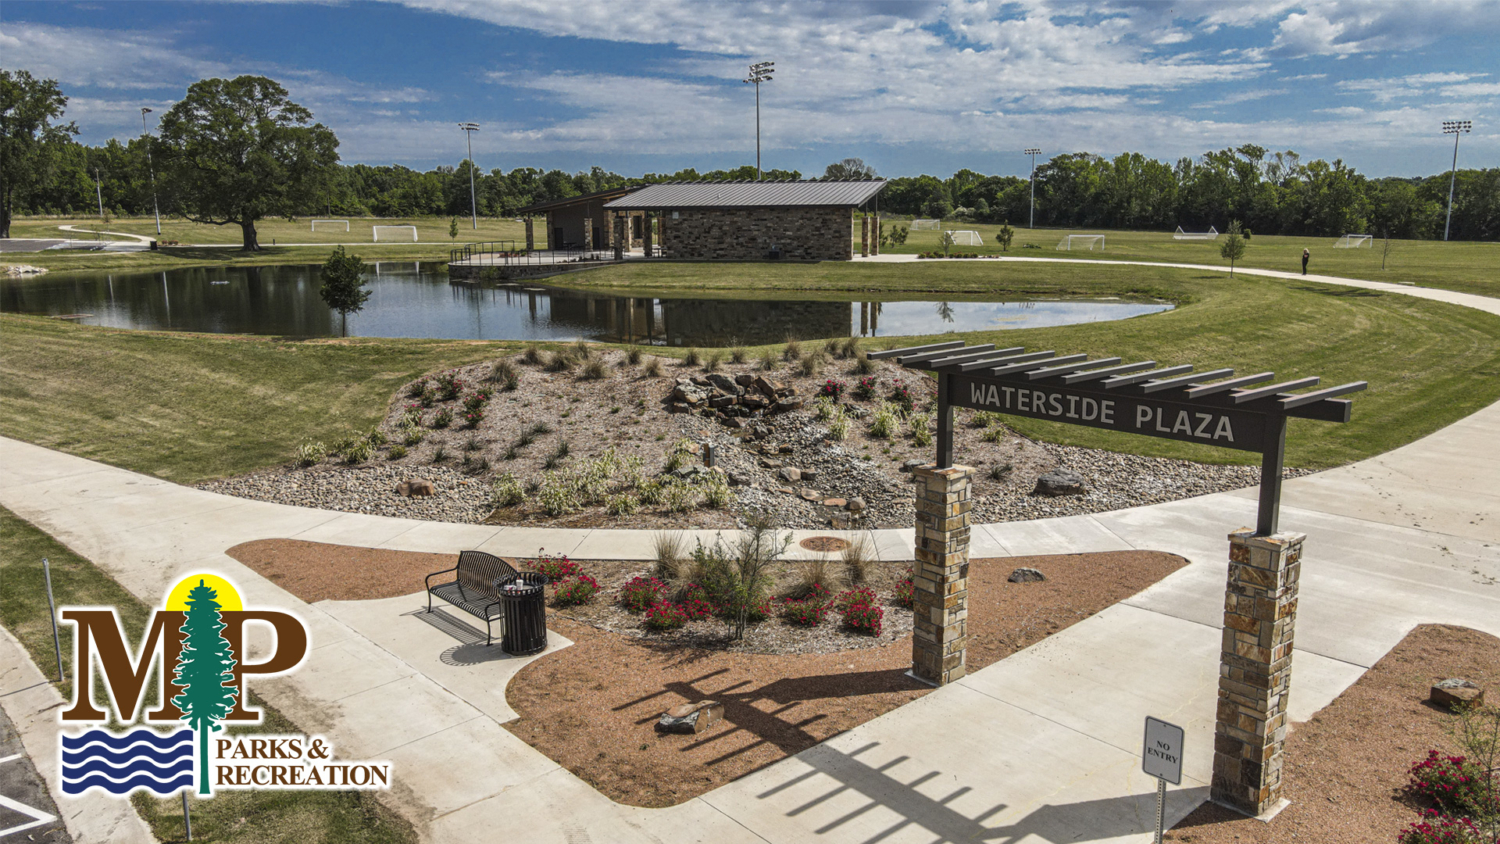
[
  {"x": 749, "y": 194},
  {"x": 576, "y": 200}
]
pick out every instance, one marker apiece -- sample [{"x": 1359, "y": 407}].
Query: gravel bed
[{"x": 625, "y": 411}]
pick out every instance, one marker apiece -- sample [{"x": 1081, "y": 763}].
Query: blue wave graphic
[
  {"x": 164, "y": 742},
  {"x": 120, "y": 764}
]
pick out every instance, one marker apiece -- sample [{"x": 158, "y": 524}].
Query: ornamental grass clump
[
  {"x": 838, "y": 425},
  {"x": 574, "y": 591},
  {"x": 713, "y": 362},
  {"x": 811, "y": 364},
  {"x": 640, "y": 593},
  {"x": 532, "y": 354},
  {"x": 652, "y": 368},
  {"x": 768, "y": 359},
  {"x": 633, "y": 355},
  {"x": 920, "y": 426},
  {"x": 692, "y": 358},
  {"x": 594, "y": 370},
  {"x": 504, "y": 372},
  {"x": 884, "y": 422}
]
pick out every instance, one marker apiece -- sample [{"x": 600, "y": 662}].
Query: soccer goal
[
  {"x": 966, "y": 238},
  {"x": 316, "y": 222},
  {"x": 1354, "y": 241},
  {"x": 925, "y": 225},
  {"x": 1211, "y": 234},
  {"x": 1082, "y": 241},
  {"x": 376, "y": 230}
]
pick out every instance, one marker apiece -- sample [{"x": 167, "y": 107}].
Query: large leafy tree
[
  {"x": 30, "y": 136},
  {"x": 850, "y": 169},
  {"x": 238, "y": 150}
]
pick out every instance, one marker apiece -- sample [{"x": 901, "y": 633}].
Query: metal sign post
[
  {"x": 1161, "y": 757},
  {"x": 52, "y": 614}
]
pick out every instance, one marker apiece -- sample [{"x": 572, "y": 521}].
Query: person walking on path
[{"x": 1305, "y": 256}]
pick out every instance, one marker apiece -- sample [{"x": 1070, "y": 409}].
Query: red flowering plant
[
  {"x": 807, "y": 612},
  {"x": 1454, "y": 784},
  {"x": 859, "y": 610},
  {"x": 866, "y": 388},
  {"x": 577, "y": 590},
  {"x": 556, "y": 568},
  {"x": 477, "y": 399},
  {"x": 906, "y": 591},
  {"x": 640, "y": 593},
  {"x": 449, "y": 386},
  {"x": 1437, "y": 828},
  {"x": 472, "y": 418},
  {"x": 832, "y": 389},
  {"x": 663, "y": 616},
  {"x": 901, "y": 394}
]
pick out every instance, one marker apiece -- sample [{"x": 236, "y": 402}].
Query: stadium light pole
[
  {"x": 759, "y": 72},
  {"x": 1033, "y": 153},
  {"x": 99, "y": 193},
  {"x": 150, "y": 169},
  {"x": 1454, "y": 128},
  {"x": 469, "y": 130}
]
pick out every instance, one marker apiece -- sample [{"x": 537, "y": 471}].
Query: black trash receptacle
[{"x": 524, "y": 598}]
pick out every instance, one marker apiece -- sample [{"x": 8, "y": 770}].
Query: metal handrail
[{"x": 505, "y": 253}]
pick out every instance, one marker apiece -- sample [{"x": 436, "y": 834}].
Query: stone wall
[{"x": 727, "y": 234}]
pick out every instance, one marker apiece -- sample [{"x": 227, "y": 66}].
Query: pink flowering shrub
[
  {"x": 578, "y": 590},
  {"x": 640, "y": 593},
  {"x": 859, "y": 610},
  {"x": 556, "y": 568},
  {"x": 866, "y": 388},
  {"x": 663, "y": 616},
  {"x": 906, "y": 591},
  {"x": 832, "y": 389},
  {"x": 1454, "y": 784},
  {"x": 1437, "y": 828}
]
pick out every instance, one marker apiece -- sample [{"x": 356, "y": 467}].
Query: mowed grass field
[
  {"x": 191, "y": 407},
  {"x": 432, "y": 231},
  {"x": 1465, "y": 266}
]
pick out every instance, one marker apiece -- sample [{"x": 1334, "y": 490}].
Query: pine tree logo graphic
[{"x": 203, "y": 669}]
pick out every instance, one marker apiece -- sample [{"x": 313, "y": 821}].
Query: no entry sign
[{"x": 1162, "y": 755}]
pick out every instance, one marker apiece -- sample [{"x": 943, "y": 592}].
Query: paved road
[
  {"x": 1040, "y": 747},
  {"x": 27, "y": 812}
]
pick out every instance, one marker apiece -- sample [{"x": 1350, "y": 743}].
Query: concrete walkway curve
[{"x": 1042, "y": 746}]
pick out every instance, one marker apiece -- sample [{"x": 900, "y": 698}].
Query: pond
[{"x": 416, "y": 300}]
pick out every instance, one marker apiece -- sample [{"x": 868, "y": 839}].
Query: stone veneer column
[
  {"x": 941, "y": 575},
  {"x": 646, "y": 234},
  {"x": 1255, "y": 669},
  {"x": 530, "y": 238},
  {"x": 588, "y": 232},
  {"x": 864, "y": 236},
  {"x": 620, "y": 235},
  {"x": 875, "y": 238}
]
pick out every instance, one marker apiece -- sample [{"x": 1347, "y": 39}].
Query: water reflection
[{"x": 416, "y": 300}]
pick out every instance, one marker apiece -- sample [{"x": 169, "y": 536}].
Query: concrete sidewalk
[{"x": 1042, "y": 746}]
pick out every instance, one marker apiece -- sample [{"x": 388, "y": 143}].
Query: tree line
[{"x": 234, "y": 151}]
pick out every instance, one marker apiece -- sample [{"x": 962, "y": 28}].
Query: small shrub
[
  {"x": 310, "y": 453},
  {"x": 1437, "y": 828},
  {"x": 443, "y": 418},
  {"x": 864, "y": 618},
  {"x": 532, "y": 354},
  {"x": 810, "y": 365},
  {"x": 556, "y": 497},
  {"x": 983, "y": 419},
  {"x": 823, "y": 407},
  {"x": 849, "y": 348},
  {"x": 662, "y": 616},
  {"x": 832, "y": 389},
  {"x": 713, "y": 362},
  {"x": 995, "y": 435},
  {"x": 358, "y": 452},
  {"x": 507, "y": 491},
  {"x": 692, "y": 358},
  {"x": 560, "y": 362},
  {"x": 376, "y": 437},
  {"x": 640, "y": 593},
  {"x": 651, "y": 492},
  {"x": 416, "y": 388},
  {"x": 428, "y": 398},
  {"x": 852, "y": 597},
  {"x": 396, "y": 452},
  {"x": 1454, "y": 784},
  {"x": 412, "y": 436},
  {"x": 578, "y": 590},
  {"x": 478, "y": 399},
  {"x": 838, "y": 425},
  {"x": 792, "y": 350},
  {"x": 473, "y": 443},
  {"x": 679, "y": 497},
  {"x": 808, "y": 612},
  {"x": 920, "y": 426},
  {"x": 449, "y": 385},
  {"x": 906, "y": 591},
  {"x": 716, "y": 492},
  {"x": 653, "y": 368},
  {"x": 623, "y": 504},
  {"x": 557, "y": 568},
  {"x": 865, "y": 389},
  {"x": 595, "y": 370},
  {"x": 472, "y": 418},
  {"x": 738, "y": 354},
  {"x": 768, "y": 359},
  {"x": 504, "y": 372},
  {"x": 411, "y": 416},
  {"x": 901, "y": 396},
  {"x": 884, "y": 423},
  {"x": 633, "y": 355}
]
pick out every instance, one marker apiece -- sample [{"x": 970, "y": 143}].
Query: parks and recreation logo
[{"x": 193, "y": 650}]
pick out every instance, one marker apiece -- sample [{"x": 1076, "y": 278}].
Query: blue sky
[{"x": 911, "y": 87}]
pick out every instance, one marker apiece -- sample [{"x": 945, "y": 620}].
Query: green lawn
[
  {"x": 233, "y": 817},
  {"x": 430, "y": 230},
  {"x": 1465, "y": 266}
]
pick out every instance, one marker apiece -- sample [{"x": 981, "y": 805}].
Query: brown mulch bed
[
  {"x": 1346, "y": 767},
  {"x": 592, "y": 707},
  {"x": 318, "y": 571}
]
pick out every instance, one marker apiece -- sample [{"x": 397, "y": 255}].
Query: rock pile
[{"x": 734, "y": 401}]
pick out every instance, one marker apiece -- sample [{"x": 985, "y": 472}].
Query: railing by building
[{"x": 506, "y": 253}]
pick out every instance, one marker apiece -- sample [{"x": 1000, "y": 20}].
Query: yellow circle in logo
[{"x": 225, "y": 593}]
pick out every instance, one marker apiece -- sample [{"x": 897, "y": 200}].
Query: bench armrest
[{"x": 428, "y": 581}]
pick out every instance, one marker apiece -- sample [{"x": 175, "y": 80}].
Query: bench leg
[{"x": 489, "y": 637}]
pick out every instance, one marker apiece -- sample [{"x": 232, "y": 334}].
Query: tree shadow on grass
[{"x": 1341, "y": 292}]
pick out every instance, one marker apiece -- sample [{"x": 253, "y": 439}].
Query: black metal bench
[{"x": 473, "y": 588}]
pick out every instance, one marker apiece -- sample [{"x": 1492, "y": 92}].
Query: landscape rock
[
  {"x": 809, "y": 494},
  {"x": 1059, "y": 482},
  {"x": 857, "y": 505},
  {"x": 744, "y": 379},
  {"x": 725, "y": 383},
  {"x": 790, "y": 475},
  {"x": 835, "y": 502},
  {"x": 733, "y": 422},
  {"x": 766, "y": 387},
  {"x": 809, "y": 474},
  {"x": 1026, "y": 575},
  {"x": 787, "y": 405},
  {"x": 908, "y": 465},
  {"x": 739, "y": 479},
  {"x": 691, "y": 718},
  {"x": 415, "y": 488},
  {"x": 1455, "y": 691},
  {"x": 768, "y": 463}
]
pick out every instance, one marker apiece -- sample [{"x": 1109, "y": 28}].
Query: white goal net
[
  {"x": 1353, "y": 241},
  {"x": 316, "y": 222},
  {"x": 925, "y": 225},
  {"x": 1211, "y": 234},
  {"x": 1082, "y": 241},
  {"x": 376, "y": 230},
  {"x": 966, "y": 238}
]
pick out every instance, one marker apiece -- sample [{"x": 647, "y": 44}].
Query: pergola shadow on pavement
[{"x": 1044, "y": 743}]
